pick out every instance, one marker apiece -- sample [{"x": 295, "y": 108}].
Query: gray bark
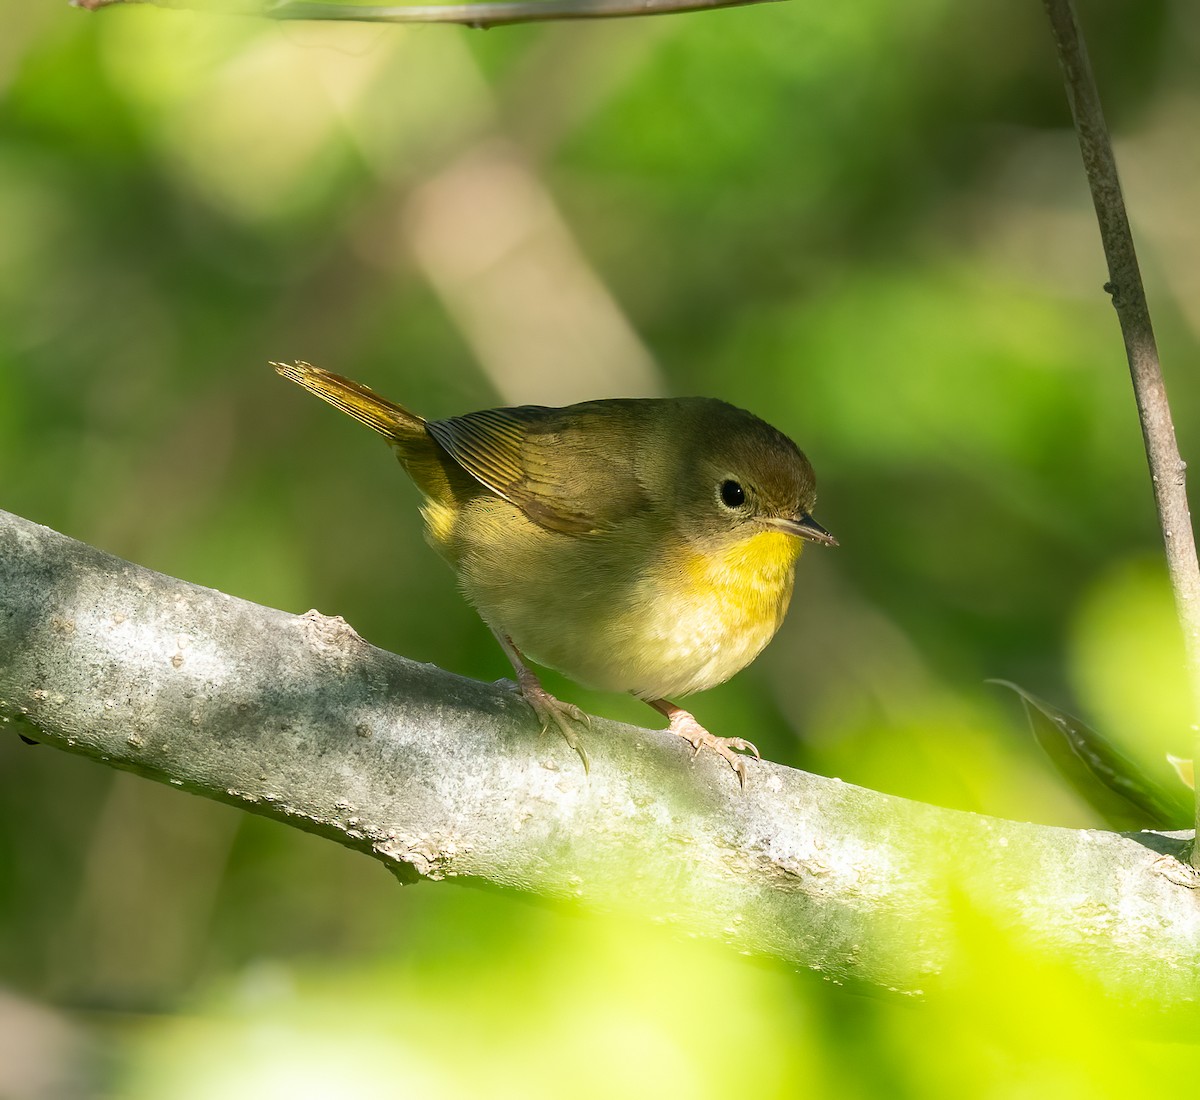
[{"x": 297, "y": 718}]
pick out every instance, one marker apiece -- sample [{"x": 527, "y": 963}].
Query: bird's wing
[{"x": 569, "y": 470}]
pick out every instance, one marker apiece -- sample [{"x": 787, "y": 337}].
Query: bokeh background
[{"x": 866, "y": 222}]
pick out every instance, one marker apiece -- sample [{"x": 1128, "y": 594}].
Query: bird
[{"x": 639, "y": 545}]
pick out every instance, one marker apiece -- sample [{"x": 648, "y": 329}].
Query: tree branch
[
  {"x": 297, "y": 718},
  {"x": 480, "y": 15},
  {"x": 1129, "y": 297}
]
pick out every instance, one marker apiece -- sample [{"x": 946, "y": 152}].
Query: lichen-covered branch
[
  {"x": 297, "y": 718},
  {"x": 1129, "y": 297},
  {"x": 481, "y": 14}
]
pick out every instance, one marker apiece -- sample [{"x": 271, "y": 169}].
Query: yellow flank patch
[{"x": 439, "y": 519}]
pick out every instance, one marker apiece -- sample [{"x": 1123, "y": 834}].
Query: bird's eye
[{"x": 732, "y": 494}]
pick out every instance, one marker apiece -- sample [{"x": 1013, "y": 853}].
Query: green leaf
[{"x": 1110, "y": 782}]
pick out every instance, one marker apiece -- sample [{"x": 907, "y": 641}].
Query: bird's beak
[{"x": 805, "y": 528}]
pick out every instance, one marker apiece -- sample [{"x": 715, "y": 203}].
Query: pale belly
[{"x": 695, "y": 645}]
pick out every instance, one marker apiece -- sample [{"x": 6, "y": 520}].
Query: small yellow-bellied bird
[{"x": 639, "y": 545}]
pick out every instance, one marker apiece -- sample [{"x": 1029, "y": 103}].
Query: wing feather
[{"x": 569, "y": 470}]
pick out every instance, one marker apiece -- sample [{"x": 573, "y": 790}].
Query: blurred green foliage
[{"x": 866, "y": 223}]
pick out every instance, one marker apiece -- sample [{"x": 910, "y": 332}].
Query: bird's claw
[
  {"x": 684, "y": 725},
  {"x": 551, "y": 710}
]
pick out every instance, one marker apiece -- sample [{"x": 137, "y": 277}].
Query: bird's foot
[
  {"x": 549, "y": 709},
  {"x": 684, "y": 725}
]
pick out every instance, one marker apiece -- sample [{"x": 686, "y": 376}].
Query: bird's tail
[{"x": 367, "y": 407}]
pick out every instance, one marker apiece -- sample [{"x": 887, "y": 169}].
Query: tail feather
[{"x": 367, "y": 407}]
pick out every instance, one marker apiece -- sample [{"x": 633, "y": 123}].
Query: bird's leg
[
  {"x": 684, "y": 725},
  {"x": 547, "y": 708}
]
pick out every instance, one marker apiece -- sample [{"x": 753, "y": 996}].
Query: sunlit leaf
[{"x": 1185, "y": 769}]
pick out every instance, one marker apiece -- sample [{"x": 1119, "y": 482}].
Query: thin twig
[
  {"x": 1129, "y": 298},
  {"x": 477, "y": 15}
]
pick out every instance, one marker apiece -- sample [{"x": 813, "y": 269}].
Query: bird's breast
[
  {"x": 659, "y": 619},
  {"x": 710, "y": 613}
]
